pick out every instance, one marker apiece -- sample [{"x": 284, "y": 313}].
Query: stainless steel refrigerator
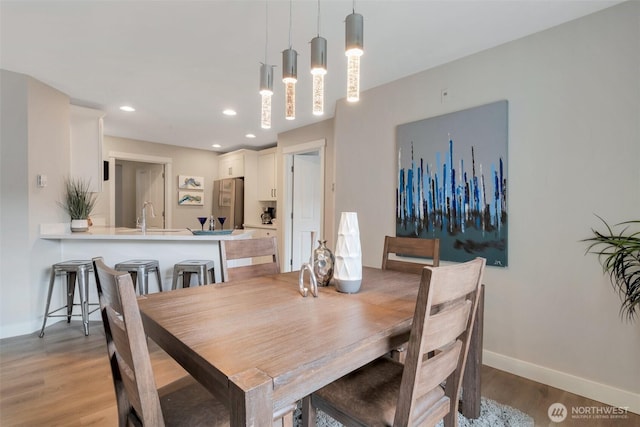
[{"x": 228, "y": 202}]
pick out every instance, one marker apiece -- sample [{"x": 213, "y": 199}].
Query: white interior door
[
  {"x": 307, "y": 206},
  {"x": 150, "y": 188}
]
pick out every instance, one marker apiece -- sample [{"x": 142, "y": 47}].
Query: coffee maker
[{"x": 268, "y": 215}]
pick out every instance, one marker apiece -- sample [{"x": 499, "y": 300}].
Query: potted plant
[
  {"x": 619, "y": 254},
  {"x": 78, "y": 202}
]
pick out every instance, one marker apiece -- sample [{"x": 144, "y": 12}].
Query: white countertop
[{"x": 56, "y": 232}]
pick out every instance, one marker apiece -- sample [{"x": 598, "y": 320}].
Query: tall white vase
[{"x": 348, "y": 267}]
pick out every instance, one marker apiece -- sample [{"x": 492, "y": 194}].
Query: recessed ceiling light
[
  {"x": 217, "y": 146},
  {"x": 127, "y": 108},
  {"x": 229, "y": 112},
  {"x": 250, "y": 135}
]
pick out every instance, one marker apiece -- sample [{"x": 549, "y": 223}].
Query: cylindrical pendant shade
[
  {"x": 353, "y": 49},
  {"x": 354, "y": 34},
  {"x": 290, "y": 77},
  {"x": 318, "y": 70},
  {"x": 318, "y": 53},
  {"x": 289, "y": 64},
  {"x": 266, "y": 77},
  {"x": 266, "y": 90}
]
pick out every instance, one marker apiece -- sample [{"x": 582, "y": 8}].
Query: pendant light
[
  {"x": 354, "y": 50},
  {"x": 290, "y": 74},
  {"x": 318, "y": 69},
  {"x": 266, "y": 79},
  {"x": 266, "y": 91}
]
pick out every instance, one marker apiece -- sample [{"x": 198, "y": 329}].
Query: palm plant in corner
[
  {"x": 619, "y": 254},
  {"x": 78, "y": 201}
]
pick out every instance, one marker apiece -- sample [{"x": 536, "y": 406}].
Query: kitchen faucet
[{"x": 143, "y": 219}]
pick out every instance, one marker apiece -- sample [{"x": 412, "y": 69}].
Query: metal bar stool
[
  {"x": 202, "y": 267},
  {"x": 139, "y": 270},
  {"x": 76, "y": 269}
]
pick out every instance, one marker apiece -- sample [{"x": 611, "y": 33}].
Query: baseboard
[{"x": 580, "y": 386}]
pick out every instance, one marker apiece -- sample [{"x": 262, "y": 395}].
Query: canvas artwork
[
  {"x": 190, "y": 198},
  {"x": 191, "y": 182},
  {"x": 452, "y": 183}
]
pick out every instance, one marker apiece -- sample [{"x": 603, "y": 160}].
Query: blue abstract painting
[{"x": 452, "y": 183}]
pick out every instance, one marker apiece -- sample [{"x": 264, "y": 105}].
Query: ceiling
[{"x": 181, "y": 63}]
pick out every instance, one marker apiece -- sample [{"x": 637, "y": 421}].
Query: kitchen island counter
[
  {"x": 55, "y": 232},
  {"x": 116, "y": 244}
]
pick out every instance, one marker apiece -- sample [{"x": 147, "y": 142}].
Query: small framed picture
[
  {"x": 191, "y": 182},
  {"x": 190, "y": 198}
]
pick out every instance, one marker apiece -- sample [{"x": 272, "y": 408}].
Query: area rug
[{"x": 492, "y": 414}]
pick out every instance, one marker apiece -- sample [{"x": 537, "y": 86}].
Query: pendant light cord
[
  {"x": 318, "y": 18},
  {"x": 290, "y": 13},
  {"x": 266, "y": 29}
]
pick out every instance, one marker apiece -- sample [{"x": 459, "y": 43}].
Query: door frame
[
  {"x": 287, "y": 198},
  {"x": 166, "y": 161}
]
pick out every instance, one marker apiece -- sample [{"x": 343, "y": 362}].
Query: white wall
[
  {"x": 574, "y": 150},
  {"x": 35, "y": 140}
]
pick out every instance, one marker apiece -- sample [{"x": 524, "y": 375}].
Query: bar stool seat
[
  {"x": 202, "y": 267},
  {"x": 74, "y": 270},
  {"x": 139, "y": 270}
]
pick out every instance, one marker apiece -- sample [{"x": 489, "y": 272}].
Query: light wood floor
[{"x": 63, "y": 379}]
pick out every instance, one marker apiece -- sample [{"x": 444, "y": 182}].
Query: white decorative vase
[
  {"x": 79, "y": 225},
  {"x": 348, "y": 267}
]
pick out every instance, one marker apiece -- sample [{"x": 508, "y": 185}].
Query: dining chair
[
  {"x": 184, "y": 402},
  {"x": 410, "y": 247},
  {"x": 419, "y": 250},
  {"x": 262, "y": 253},
  {"x": 386, "y": 392}
]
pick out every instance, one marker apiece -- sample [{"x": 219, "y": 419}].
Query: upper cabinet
[
  {"x": 231, "y": 165},
  {"x": 86, "y": 146},
  {"x": 267, "y": 175}
]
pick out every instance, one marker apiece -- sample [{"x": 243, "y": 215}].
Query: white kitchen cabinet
[
  {"x": 86, "y": 130},
  {"x": 231, "y": 165},
  {"x": 260, "y": 232},
  {"x": 267, "y": 190}
]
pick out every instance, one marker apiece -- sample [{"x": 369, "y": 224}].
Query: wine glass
[
  {"x": 222, "y": 219},
  {"x": 202, "y": 220}
]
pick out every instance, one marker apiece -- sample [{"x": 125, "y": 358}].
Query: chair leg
[
  {"x": 83, "y": 287},
  {"x": 134, "y": 279},
  {"x": 174, "y": 280},
  {"x": 308, "y": 412},
  {"x": 159, "y": 279},
  {"x": 186, "y": 279},
  {"x": 71, "y": 288},
  {"x": 143, "y": 281},
  {"x": 202, "y": 274},
  {"x": 399, "y": 354},
  {"x": 52, "y": 280},
  {"x": 285, "y": 421}
]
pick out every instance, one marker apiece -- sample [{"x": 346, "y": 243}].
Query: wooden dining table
[{"x": 260, "y": 346}]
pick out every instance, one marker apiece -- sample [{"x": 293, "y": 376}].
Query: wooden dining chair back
[
  {"x": 261, "y": 252},
  {"x": 420, "y": 250},
  {"x": 413, "y": 247},
  {"x": 386, "y": 392},
  {"x": 139, "y": 401},
  {"x": 439, "y": 343}
]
